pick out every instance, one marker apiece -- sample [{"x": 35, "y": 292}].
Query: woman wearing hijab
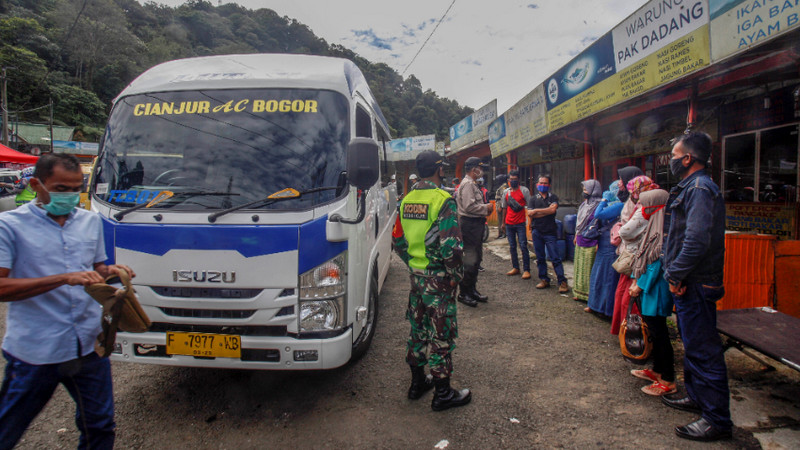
[
  {"x": 653, "y": 290},
  {"x": 630, "y": 244},
  {"x": 585, "y": 248},
  {"x": 604, "y": 278}
]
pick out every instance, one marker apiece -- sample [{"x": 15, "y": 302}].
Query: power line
[{"x": 429, "y": 38}]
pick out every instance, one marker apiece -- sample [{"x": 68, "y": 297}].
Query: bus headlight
[{"x": 322, "y": 296}]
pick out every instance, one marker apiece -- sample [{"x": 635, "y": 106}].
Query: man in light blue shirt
[{"x": 49, "y": 251}]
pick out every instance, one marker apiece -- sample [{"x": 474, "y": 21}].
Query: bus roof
[{"x": 268, "y": 70}]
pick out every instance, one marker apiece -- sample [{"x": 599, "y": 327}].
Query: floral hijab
[{"x": 640, "y": 184}]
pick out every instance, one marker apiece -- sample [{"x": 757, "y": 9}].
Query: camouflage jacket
[{"x": 444, "y": 247}]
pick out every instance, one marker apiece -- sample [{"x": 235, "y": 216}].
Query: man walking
[
  {"x": 49, "y": 251},
  {"x": 501, "y": 211},
  {"x": 694, "y": 258},
  {"x": 472, "y": 212},
  {"x": 428, "y": 239},
  {"x": 542, "y": 211},
  {"x": 513, "y": 200}
]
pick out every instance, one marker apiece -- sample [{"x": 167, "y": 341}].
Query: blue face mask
[
  {"x": 542, "y": 188},
  {"x": 62, "y": 203}
]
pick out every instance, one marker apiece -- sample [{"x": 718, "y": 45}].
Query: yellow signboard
[
  {"x": 763, "y": 218},
  {"x": 686, "y": 55}
]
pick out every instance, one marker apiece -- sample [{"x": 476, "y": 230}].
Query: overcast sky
[{"x": 481, "y": 51}]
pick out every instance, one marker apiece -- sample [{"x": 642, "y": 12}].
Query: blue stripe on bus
[
  {"x": 248, "y": 240},
  {"x": 314, "y": 247}
]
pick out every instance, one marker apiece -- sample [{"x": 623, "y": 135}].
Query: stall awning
[{"x": 11, "y": 155}]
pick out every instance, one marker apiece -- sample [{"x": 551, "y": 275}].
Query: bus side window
[
  {"x": 387, "y": 165},
  {"x": 363, "y": 123}
]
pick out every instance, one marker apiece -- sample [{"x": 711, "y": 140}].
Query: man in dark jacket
[{"x": 694, "y": 258}]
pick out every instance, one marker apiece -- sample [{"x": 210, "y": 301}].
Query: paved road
[{"x": 544, "y": 374}]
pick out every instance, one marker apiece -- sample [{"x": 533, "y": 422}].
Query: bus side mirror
[{"x": 363, "y": 163}]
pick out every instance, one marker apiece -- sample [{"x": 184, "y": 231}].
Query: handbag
[
  {"x": 614, "y": 234},
  {"x": 513, "y": 203},
  {"x": 634, "y": 336},
  {"x": 592, "y": 232},
  {"x": 121, "y": 310},
  {"x": 624, "y": 262}
]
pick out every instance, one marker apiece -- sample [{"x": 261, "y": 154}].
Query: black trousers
[
  {"x": 472, "y": 234},
  {"x": 663, "y": 357}
]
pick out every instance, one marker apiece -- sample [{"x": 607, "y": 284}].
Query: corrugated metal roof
[{"x": 39, "y": 134}]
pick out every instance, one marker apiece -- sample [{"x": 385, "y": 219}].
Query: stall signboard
[
  {"x": 473, "y": 128},
  {"x": 763, "y": 218},
  {"x": 576, "y": 90},
  {"x": 737, "y": 25},
  {"x": 542, "y": 154},
  {"x": 407, "y": 149},
  {"x": 659, "y": 43},
  {"x": 524, "y": 122}
]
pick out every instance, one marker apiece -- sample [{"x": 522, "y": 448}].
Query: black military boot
[
  {"x": 467, "y": 299},
  {"x": 445, "y": 397},
  {"x": 479, "y": 297},
  {"x": 420, "y": 383}
]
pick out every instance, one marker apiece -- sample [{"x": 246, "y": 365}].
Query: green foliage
[
  {"x": 82, "y": 53},
  {"x": 83, "y": 106}
]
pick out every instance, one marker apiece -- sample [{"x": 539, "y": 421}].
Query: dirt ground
[{"x": 543, "y": 374}]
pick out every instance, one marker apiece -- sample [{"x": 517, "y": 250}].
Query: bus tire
[{"x": 361, "y": 344}]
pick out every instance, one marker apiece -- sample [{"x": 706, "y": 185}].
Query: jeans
[
  {"x": 540, "y": 242},
  {"x": 27, "y": 388},
  {"x": 472, "y": 234},
  {"x": 516, "y": 233},
  {"x": 704, "y": 369}
]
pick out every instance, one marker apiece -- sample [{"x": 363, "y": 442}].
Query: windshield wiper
[
  {"x": 159, "y": 198},
  {"x": 272, "y": 198}
]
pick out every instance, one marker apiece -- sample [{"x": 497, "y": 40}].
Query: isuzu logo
[{"x": 203, "y": 276}]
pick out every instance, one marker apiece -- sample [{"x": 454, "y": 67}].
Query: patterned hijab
[
  {"x": 652, "y": 203},
  {"x": 640, "y": 184},
  {"x": 585, "y": 210}
]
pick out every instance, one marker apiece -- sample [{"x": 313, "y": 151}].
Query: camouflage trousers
[{"x": 432, "y": 313}]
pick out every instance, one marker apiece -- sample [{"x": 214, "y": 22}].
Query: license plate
[{"x": 204, "y": 344}]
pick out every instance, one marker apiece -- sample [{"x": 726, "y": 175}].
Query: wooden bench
[{"x": 766, "y": 330}]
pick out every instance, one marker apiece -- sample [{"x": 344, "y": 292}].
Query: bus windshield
[{"x": 236, "y": 145}]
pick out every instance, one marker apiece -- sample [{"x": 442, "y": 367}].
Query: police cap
[
  {"x": 474, "y": 161},
  {"x": 428, "y": 162}
]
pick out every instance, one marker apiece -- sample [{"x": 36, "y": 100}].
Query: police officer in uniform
[
  {"x": 428, "y": 239},
  {"x": 472, "y": 212}
]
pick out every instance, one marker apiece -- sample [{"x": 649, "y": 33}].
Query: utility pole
[
  {"x": 4, "y": 106},
  {"x": 51, "y": 125}
]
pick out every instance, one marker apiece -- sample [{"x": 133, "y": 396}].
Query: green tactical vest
[
  {"x": 418, "y": 211},
  {"x": 25, "y": 196}
]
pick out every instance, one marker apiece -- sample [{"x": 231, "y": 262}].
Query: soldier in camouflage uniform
[{"x": 428, "y": 239}]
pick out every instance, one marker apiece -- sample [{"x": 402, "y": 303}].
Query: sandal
[
  {"x": 646, "y": 374},
  {"x": 658, "y": 389},
  {"x": 587, "y": 309}
]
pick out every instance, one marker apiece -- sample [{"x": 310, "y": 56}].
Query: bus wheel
[{"x": 361, "y": 344}]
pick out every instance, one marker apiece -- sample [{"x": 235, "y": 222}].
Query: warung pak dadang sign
[{"x": 473, "y": 128}]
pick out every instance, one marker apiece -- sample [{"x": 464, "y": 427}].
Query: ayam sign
[{"x": 776, "y": 220}]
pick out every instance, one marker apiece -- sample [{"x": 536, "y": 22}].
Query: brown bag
[
  {"x": 624, "y": 262},
  {"x": 121, "y": 310},
  {"x": 634, "y": 336}
]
